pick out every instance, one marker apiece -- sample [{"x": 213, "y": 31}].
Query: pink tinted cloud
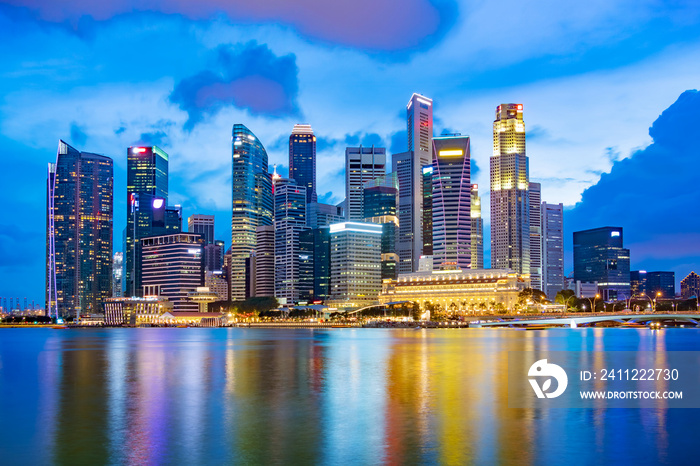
[
  {"x": 372, "y": 24},
  {"x": 255, "y": 92}
]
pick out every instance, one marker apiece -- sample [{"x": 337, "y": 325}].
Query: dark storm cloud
[
  {"x": 247, "y": 76},
  {"x": 654, "y": 193},
  {"x": 373, "y": 25}
]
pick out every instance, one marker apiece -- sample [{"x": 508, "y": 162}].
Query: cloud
[
  {"x": 399, "y": 142},
  {"x": 378, "y": 25},
  {"x": 247, "y": 76},
  {"x": 77, "y": 134},
  {"x": 653, "y": 194}
]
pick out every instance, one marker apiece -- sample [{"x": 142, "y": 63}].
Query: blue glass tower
[
  {"x": 252, "y": 203},
  {"x": 302, "y": 159}
]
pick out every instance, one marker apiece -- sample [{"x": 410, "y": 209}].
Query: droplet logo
[{"x": 543, "y": 369}]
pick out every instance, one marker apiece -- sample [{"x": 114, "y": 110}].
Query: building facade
[
  {"x": 553, "y": 280},
  {"x": 252, "y": 203},
  {"x": 302, "y": 159},
  {"x": 362, "y": 164},
  {"x": 203, "y": 225},
  {"x": 290, "y": 221},
  {"x": 661, "y": 282},
  {"x": 535, "y": 214},
  {"x": 117, "y": 274},
  {"x": 457, "y": 290},
  {"x": 321, "y": 215},
  {"x": 451, "y": 203},
  {"x": 477, "y": 224},
  {"x": 172, "y": 266},
  {"x": 690, "y": 285},
  {"x": 381, "y": 197},
  {"x": 599, "y": 257},
  {"x": 79, "y": 219},
  {"x": 265, "y": 261},
  {"x": 356, "y": 276},
  {"x": 638, "y": 282},
  {"x": 135, "y": 311},
  {"x": 427, "y": 230},
  {"x": 510, "y": 206}
]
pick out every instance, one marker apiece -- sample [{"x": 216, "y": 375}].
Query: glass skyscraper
[
  {"x": 451, "y": 203},
  {"x": 252, "y": 202},
  {"x": 381, "y": 199},
  {"x": 148, "y": 213},
  {"x": 78, "y": 233},
  {"x": 600, "y": 257},
  {"x": 302, "y": 159}
]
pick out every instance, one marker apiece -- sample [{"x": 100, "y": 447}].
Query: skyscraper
[
  {"x": 661, "y": 282},
  {"x": 409, "y": 168},
  {"x": 381, "y": 198},
  {"x": 321, "y": 215},
  {"x": 302, "y": 159},
  {"x": 362, "y": 164},
  {"x": 252, "y": 203},
  {"x": 117, "y": 274},
  {"x": 172, "y": 266},
  {"x": 690, "y": 286},
  {"x": 427, "y": 172},
  {"x": 553, "y": 279},
  {"x": 599, "y": 256},
  {"x": 356, "y": 276},
  {"x": 290, "y": 220},
  {"x": 148, "y": 213},
  {"x": 510, "y": 220},
  {"x": 265, "y": 261},
  {"x": 535, "y": 214},
  {"x": 451, "y": 203},
  {"x": 79, "y": 232},
  {"x": 477, "y": 230},
  {"x": 638, "y": 282},
  {"x": 203, "y": 225}
]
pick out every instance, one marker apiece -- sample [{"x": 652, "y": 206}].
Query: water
[{"x": 332, "y": 396}]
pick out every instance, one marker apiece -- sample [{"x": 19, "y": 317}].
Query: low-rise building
[
  {"x": 135, "y": 311},
  {"x": 457, "y": 290}
]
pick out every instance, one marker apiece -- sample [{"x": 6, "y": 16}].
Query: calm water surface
[{"x": 335, "y": 396}]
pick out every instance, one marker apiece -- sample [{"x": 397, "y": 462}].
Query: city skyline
[{"x": 629, "y": 98}]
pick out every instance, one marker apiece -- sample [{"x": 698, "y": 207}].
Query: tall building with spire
[
  {"x": 79, "y": 222},
  {"x": 252, "y": 203},
  {"x": 302, "y": 159},
  {"x": 510, "y": 207},
  {"x": 409, "y": 168}
]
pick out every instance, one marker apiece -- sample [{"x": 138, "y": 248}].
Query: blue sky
[{"x": 593, "y": 78}]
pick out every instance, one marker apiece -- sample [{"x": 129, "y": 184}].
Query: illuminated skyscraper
[
  {"x": 203, "y": 225},
  {"x": 477, "y": 230},
  {"x": 535, "y": 218},
  {"x": 356, "y": 276},
  {"x": 302, "y": 159},
  {"x": 599, "y": 257},
  {"x": 451, "y": 203},
  {"x": 690, "y": 286},
  {"x": 362, "y": 164},
  {"x": 117, "y": 274},
  {"x": 252, "y": 203},
  {"x": 510, "y": 215},
  {"x": 79, "y": 232},
  {"x": 553, "y": 279},
  {"x": 409, "y": 168},
  {"x": 427, "y": 172},
  {"x": 381, "y": 198},
  {"x": 290, "y": 221},
  {"x": 147, "y": 203}
]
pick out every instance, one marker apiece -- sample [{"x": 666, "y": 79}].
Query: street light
[{"x": 658, "y": 295}]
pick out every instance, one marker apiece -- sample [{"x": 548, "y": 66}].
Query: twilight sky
[{"x": 612, "y": 132}]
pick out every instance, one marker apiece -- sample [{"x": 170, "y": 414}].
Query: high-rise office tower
[
  {"x": 427, "y": 172},
  {"x": 477, "y": 230},
  {"x": 321, "y": 261},
  {"x": 535, "y": 214},
  {"x": 381, "y": 198},
  {"x": 356, "y": 276},
  {"x": 214, "y": 255},
  {"x": 117, "y": 274},
  {"x": 510, "y": 222},
  {"x": 451, "y": 203},
  {"x": 553, "y": 280},
  {"x": 690, "y": 286},
  {"x": 362, "y": 164},
  {"x": 599, "y": 256},
  {"x": 409, "y": 168},
  {"x": 148, "y": 213},
  {"x": 638, "y": 282},
  {"x": 252, "y": 203},
  {"x": 172, "y": 266},
  {"x": 321, "y": 215},
  {"x": 265, "y": 261},
  {"x": 290, "y": 220},
  {"x": 661, "y": 282},
  {"x": 203, "y": 225},
  {"x": 302, "y": 159},
  {"x": 79, "y": 221}
]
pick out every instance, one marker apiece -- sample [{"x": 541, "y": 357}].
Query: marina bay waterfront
[{"x": 315, "y": 396}]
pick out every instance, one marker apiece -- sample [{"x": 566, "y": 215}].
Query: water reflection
[{"x": 197, "y": 396}]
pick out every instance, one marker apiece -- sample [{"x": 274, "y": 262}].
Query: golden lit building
[
  {"x": 457, "y": 290},
  {"x": 135, "y": 311}
]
